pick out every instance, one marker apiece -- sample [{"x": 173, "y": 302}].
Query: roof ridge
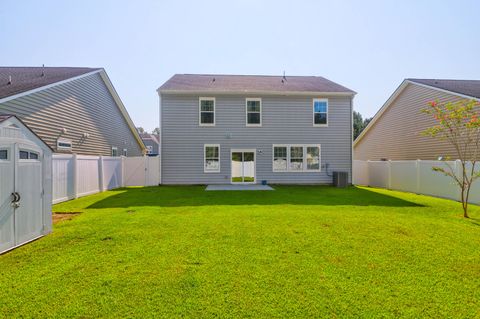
[{"x": 259, "y": 75}]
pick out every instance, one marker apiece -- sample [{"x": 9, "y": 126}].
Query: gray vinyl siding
[
  {"x": 396, "y": 135},
  {"x": 81, "y": 106},
  {"x": 285, "y": 120},
  {"x": 153, "y": 144}
]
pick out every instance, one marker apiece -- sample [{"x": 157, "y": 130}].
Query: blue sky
[{"x": 368, "y": 46}]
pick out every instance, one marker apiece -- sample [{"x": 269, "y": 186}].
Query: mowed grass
[{"x": 308, "y": 251}]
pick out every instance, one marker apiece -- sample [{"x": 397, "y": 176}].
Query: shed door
[
  {"x": 7, "y": 220},
  {"x": 28, "y": 185}
]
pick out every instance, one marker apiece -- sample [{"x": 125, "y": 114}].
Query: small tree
[
  {"x": 140, "y": 130},
  {"x": 459, "y": 124},
  {"x": 156, "y": 131}
]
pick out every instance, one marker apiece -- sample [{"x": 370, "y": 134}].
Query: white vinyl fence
[
  {"x": 78, "y": 175},
  {"x": 412, "y": 176}
]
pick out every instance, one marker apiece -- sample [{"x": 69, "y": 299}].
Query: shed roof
[
  {"x": 28, "y": 78},
  {"x": 251, "y": 83},
  {"x": 465, "y": 87}
]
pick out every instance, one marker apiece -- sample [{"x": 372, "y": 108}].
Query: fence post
[
  {"x": 417, "y": 166},
  {"x": 368, "y": 173},
  {"x": 145, "y": 169},
  {"x": 75, "y": 176},
  {"x": 100, "y": 173},
  {"x": 389, "y": 174},
  {"x": 122, "y": 166}
]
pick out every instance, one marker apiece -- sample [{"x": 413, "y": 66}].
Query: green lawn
[{"x": 294, "y": 252}]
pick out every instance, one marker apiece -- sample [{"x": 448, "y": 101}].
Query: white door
[
  {"x": 243, "y": 166},
  {"x": 29, "y": 190},
  {"x": 7, "y": 218}
]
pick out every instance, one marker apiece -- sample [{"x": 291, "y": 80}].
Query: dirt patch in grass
[{"x": 62, "y": 216}]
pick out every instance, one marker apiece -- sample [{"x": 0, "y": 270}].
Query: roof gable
[
  {"x": 190, "y": 83},
  {"x": 466, "y": 87},
  {"x": 16, "y": 80},
  {"x": 421, "y": 82}
]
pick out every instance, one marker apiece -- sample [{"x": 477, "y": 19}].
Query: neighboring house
[
  {"x": 151, "y": 142},
  {"x": 218, "y": 129},
  {"x": 73, "y": 110},
  {"x": 395, "y": 131}
]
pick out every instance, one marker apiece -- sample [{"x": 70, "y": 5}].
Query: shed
[{"x": 25, "y": 184}]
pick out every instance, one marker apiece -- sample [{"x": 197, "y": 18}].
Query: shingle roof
[
  {"x": 29, "y": 78},
  {"x": 250, "y": 83},
  {"x": 148, "y": 136},
  {"x": 4, "y": 117},
  {"x": 465, "y": 87}
]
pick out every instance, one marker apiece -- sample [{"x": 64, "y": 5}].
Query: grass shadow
[{"x": 178, "y": 196}]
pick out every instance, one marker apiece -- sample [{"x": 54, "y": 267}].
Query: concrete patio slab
[{"x": 230, "y": 187}]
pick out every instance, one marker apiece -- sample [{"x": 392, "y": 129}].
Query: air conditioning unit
[{"x": 340, "y": 179}]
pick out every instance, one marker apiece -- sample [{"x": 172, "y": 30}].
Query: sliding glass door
[{"x": 243, "y": 166}]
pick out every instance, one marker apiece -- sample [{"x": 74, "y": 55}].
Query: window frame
[
  {"x": 306, "y": 146},
  {"x": 304, "y": 162},
  {"x": 290, "y": 157},
  {"x": 205, "y": 158},
  {"x": 273, "y": 157},
  {"x": 29, "y": 155},
  {"x": 66, "y": 141},
  {"x": 125, "y": 152},
  {"x": 114, "y": 148},
  {"x": 254, "y": 99},
  {"x": 8, "y": 154},
  {"x": 200, "y": 99},
  {"x": 313, "y": 111}
]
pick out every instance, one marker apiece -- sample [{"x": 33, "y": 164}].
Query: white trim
[
  {"x": 200, "y": 99},
  {"x": 205, "y": 158},
  {"x": 16, "y": 96},
  {"x": 253, "y": 99},
  {"x": 244, "y": 150},
  {"x": 313, "y": 111},
  {"x": 304, "y": 162},
  {"x": 394, "y": 95},
  {"x": 251, "y": 92}
]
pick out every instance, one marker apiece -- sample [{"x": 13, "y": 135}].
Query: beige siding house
[
  {"x": 73, "y": 110},
  {"x": 395, "y": 131}
]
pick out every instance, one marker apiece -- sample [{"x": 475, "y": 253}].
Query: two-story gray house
[{"x": 219, "y": 129}]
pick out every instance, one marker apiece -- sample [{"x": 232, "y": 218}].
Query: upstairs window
[
  {"x": 114, "y": 151},
  {"x": 254, "y": 112},
  {"x": 320, "y": 112},
  {"x": 211, "y": 158},
  {"x": 125, "y": 152},
  {"x": 207, "y": 111}
]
